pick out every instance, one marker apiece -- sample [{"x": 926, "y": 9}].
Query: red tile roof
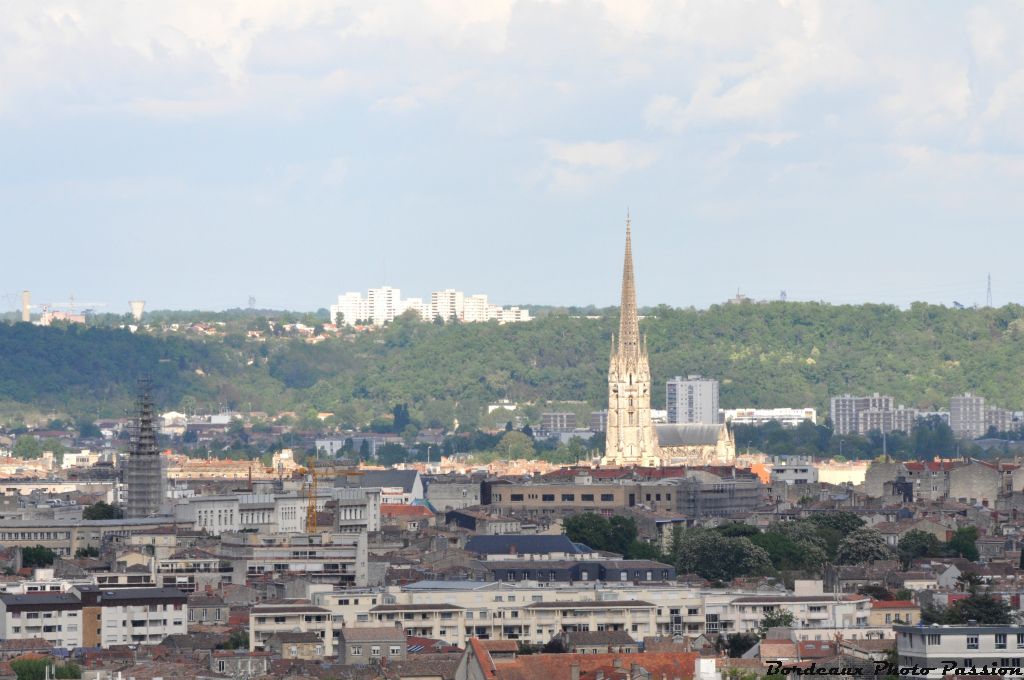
[
  {"x": 893, "y": 604},
  {"x": 401, "y": 510},
  {"x": 661, "y": 665}
]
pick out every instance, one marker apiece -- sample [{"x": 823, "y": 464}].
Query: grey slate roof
[
  {"x": 688, "y": 434},
  {"x": 386, "y": 478},
  {"x": 510, "y": 544},
  {"x": 586, "y": 638}
]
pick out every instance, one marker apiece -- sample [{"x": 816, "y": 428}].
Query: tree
[
  {"x": 91, "y": 551},
  {"x": 37, "y": 557},
  {"x": 720, "y": 558},
  {"x": 865, "y": 545},
  {"x": 775, "y": 618},
  {"x": 588, "y": 528},
  {"x": 983, "y": 608},
  {"x": 980, "y": 608},
  {"x": 87, "y": 429},
  {"x": 35, "y": 669},
  {"x": 392, "y": 454},
  {"x": 401, "y": 417},
  {"x": 843, "y": 522},
  {"x": 968, "y": 582},
  {"x": 962, "y": 543},
  {"x": 737, "y": 644},
  {"x": 102, "y": 510},
  {"x": 875, "y": 591},
  {"x": 623, "y": 533},
  {"x": 515, "y": 445},
  {"x": 916, "y": 543}
]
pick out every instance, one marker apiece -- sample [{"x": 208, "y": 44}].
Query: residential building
[
  {"x": 793, "y": 470},
  {"x": 889, "y": 612},
  {"x": 557, "y": 422},
  {"x": 959, "y": 646},
  {"x": 844, "y": 410},
  {"x": 899, "y": 419},
  {"x": 360, "y": 646},
  {"x": 334, "y": 557},
  {"x": 482, "y": 523},
  {"x": 693, "y": 399},
  {"x": 968, "y": 417},
  {"x": 269, "y": 619},
  {"x": 54, "y": 617},
  {"x": 599, "y": 421},
  {"x": 598, "y": 642},
  {"x": 305, "y": 646},
  {"x": 138, "y": 616},
  {"x": 385, "y": 304},
  {"x": 207, "y": 610},
  {"x": 451, "y": 494},
  {"x": 787, "y": 417}
]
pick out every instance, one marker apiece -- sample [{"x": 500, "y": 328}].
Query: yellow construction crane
[{"x": 314, "y": 472}]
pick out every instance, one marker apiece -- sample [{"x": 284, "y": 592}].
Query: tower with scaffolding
[{"x": 144, "y": 473}]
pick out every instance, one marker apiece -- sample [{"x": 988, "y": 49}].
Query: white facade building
[{"x": 787, "y": 417}]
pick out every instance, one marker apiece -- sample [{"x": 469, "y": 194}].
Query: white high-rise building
[
  {"x": 383, "y": 305},
  {"x": 475, "y": 309},
  {"x": 351, "y": 307},
  {"x": 692, "y": 400},
  {"x": 447, "y": 304}
]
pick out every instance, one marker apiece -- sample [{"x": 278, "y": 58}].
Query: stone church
[{"x": 631, "y": 437}]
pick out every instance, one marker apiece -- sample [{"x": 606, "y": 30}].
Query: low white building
[
  {"x": 788, "y": 417},
  {"x": 936, "y": 647},
  {"x": 793, "y": 470},
  {"x": 54, "y": 617}
]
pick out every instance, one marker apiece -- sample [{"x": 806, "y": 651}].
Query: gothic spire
[{"x": 629, "y": 325}]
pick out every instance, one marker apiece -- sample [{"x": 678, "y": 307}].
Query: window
[
  {"x": 934, "y": 639},
  {"x": 356, "y": 650},
  {"x": 517, "y": 496},
  {"x": 395, "y": 650},
  {"x": 375, "y": 650},
  {"x": 972, "y": 643},
  {"x": 220, "y": 666},
  {"x": 548, "y": 497},
  {"x": 587, "y": 497},
  {"x": 1000, "y": 640},
  {"x": 888, "y": 618},
  {"x": 692, "y": 611},
  {"x": 607, "y": 497},
  {"x": 1020, "y": 640},
  {"x": 568, "y": 497}
]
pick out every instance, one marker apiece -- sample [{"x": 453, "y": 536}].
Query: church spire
[{"x": 629, "y": 325}]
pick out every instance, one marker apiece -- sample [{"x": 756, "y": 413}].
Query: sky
[{"x": 196, "y": 153}]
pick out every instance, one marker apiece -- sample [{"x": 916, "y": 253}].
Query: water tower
[{"x": 137, "y": 307}]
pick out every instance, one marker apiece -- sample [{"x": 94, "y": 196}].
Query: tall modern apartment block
[
  {"x": 144, "y": 473},
  {"x": 968, "y": 416},
  {"x": 846, "y": 409},
  {"x": 692, "y": 400}
]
